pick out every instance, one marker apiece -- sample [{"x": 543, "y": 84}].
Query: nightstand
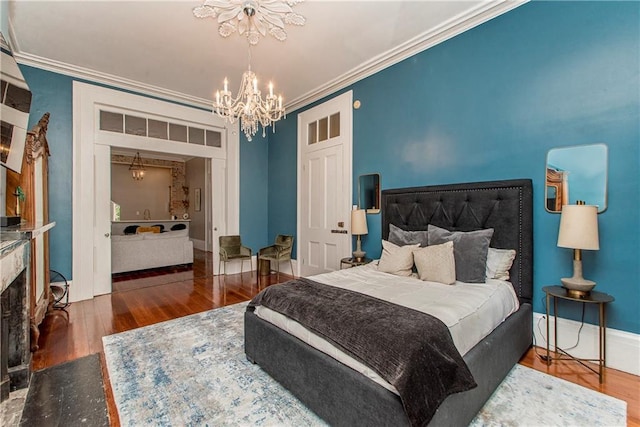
[
  {"x": 594, "y": 297},
  {"x": 352, "y": 262}
]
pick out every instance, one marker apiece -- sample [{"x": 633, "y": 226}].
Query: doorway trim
[{"x": 87, "y": 101}]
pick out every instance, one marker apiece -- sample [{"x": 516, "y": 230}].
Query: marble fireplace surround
[{"x": 15, "y": 352}]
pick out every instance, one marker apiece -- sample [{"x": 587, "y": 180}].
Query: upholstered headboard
[{"x": 505, "y": 206}]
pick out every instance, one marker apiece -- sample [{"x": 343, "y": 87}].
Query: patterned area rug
[{"x": 193, "y": 371}]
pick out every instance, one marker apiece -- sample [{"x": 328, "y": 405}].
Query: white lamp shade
[
  {"x": 579, "y": 227},
  {"x": 359, "y": 222}
]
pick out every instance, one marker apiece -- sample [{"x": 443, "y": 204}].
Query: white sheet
[{"x": 470, "y": 310}]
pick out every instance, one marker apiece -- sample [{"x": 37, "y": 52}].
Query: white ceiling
[{"x": 160, "y": 48}]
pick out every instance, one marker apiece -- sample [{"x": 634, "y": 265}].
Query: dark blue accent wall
[
  {"x": 489, "y": 104},
  {"x": 53, "y": 93},
  {"x": 283, "y": 177},
  {"x": 254, "y": 196}
]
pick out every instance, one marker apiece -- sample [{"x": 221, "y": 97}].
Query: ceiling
[{"x": 161, "y": 48}]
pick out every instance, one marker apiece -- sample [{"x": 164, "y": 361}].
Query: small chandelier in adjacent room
[
  {"x": 251, "y": 18},
  {"x": 136, "y": 168}
]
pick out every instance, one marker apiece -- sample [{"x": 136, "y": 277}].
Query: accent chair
[{"x": 231, "y": 249}]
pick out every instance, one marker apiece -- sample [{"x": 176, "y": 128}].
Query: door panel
[
  {"x": 219, "y": 195},
  {"x": 325, "y": 185},
  {"x": 102, "y": 224}
]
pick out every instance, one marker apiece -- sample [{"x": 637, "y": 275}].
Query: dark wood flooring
[{"x": 148, "y": 297}]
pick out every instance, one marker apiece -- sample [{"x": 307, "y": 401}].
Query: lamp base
[
  {"x": 577, "y": 287},
  {"x": 359, "y": 255}
]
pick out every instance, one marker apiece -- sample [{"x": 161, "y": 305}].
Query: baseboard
[
  {"x": 199, "y": 244},
  {"x": 622, "y": 348},
  {"x": 73, "y": 296},
  {"x": 234, "y": 266}
]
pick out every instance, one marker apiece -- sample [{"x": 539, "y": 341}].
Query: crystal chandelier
[
  {"x": 136, "y": 168},
  {"x": 251, "y": 18},
  {"x": 249, "y": 106}
]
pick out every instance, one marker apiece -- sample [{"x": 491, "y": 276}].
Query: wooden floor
[{"x": 150, "y": 298}]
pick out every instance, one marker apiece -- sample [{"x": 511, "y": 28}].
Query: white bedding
[{"x": 470, "y": 310}]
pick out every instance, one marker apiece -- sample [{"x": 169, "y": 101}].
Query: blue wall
[
  {"x": 254, "y": 199},
  {"x": 52, "y": 93},
  {"x": 489, "y": 104}
]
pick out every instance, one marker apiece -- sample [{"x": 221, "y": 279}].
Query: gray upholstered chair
[
  {"x": 231, "y": 249},
  {"x": 277, "y": 253}
]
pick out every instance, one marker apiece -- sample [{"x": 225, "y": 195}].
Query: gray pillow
[
  {"x": 401, "y": 237},
  {"x": 469, "y": 250}
]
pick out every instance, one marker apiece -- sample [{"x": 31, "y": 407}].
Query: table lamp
[
  {"x": 578, "y": 231},
  {"x": 358, "y": 228}
]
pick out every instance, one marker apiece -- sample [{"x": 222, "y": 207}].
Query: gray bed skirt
[{"x": 344, "y": 397}]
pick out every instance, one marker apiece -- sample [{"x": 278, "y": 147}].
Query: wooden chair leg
[{"x": 291, "y": 264}]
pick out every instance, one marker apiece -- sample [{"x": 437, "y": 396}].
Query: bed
[{"x": 341, "y": 395}]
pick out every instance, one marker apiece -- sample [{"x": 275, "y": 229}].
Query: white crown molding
[
  {"x": 448, "y": 29},
  {"x": 451, "y": 28},
  {"x": 110, "y": 79}
]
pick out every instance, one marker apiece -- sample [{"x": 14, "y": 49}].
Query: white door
[
  {"x": 102, "y": 223},
  {"x": 219, "y": 195},
  {"x": 324, "y": 190},
  {"x": 208, "y": 244}
]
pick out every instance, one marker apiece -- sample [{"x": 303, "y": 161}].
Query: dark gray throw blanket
[{"x": 411, "y": 350}]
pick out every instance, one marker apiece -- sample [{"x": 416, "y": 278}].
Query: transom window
[
  {"x": 159, "y": 129},
  {"x": 324, "y": 129}
]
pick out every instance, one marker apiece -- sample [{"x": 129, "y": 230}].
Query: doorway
[
  {"x": 325, "y": 139},
  {"x": 91, "y": 154}
]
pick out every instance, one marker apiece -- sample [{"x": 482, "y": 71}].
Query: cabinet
[{"x": 35, "y": 225}]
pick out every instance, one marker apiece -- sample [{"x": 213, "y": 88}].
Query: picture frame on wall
[{"x": 196, "y": 196}]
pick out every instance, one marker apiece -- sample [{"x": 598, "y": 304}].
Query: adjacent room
[{"x": 274, "y": 212}]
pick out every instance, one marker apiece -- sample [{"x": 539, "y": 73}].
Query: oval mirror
[
  {"x": 576, "y": 173},
  {"x": 369, "y": 192}
]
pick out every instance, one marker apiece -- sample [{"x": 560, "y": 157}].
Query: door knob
[{"x": 106, "y": 234}]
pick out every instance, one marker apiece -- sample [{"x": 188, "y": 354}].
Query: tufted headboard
[{"x": 506, "y": 206}]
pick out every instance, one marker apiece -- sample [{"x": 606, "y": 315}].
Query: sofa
[{"x": 150, "y": 250}]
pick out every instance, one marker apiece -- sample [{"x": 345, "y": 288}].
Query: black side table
[
  {"x": 594, "y": 297},
  {"x": 352, "y": 262}
]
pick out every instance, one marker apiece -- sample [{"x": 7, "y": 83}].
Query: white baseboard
[
  {"x": 622, "y": 348},
  {"x": 233, "y": 267},
  {"x": 199, "y": 244}
]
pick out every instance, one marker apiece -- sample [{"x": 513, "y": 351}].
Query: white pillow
[
  {"x": 499, "y": 263},
  {"x": 436, "y": 263},
  {"x": 395, "y": 259}
]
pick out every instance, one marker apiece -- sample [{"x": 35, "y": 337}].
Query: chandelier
[
  {"x": 136, "y": 168},
  {"x": 251, "y": 18},
  {"x": 249, "y": 106}
]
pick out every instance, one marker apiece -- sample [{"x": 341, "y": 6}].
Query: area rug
[{"x": 193, "y": 371}]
